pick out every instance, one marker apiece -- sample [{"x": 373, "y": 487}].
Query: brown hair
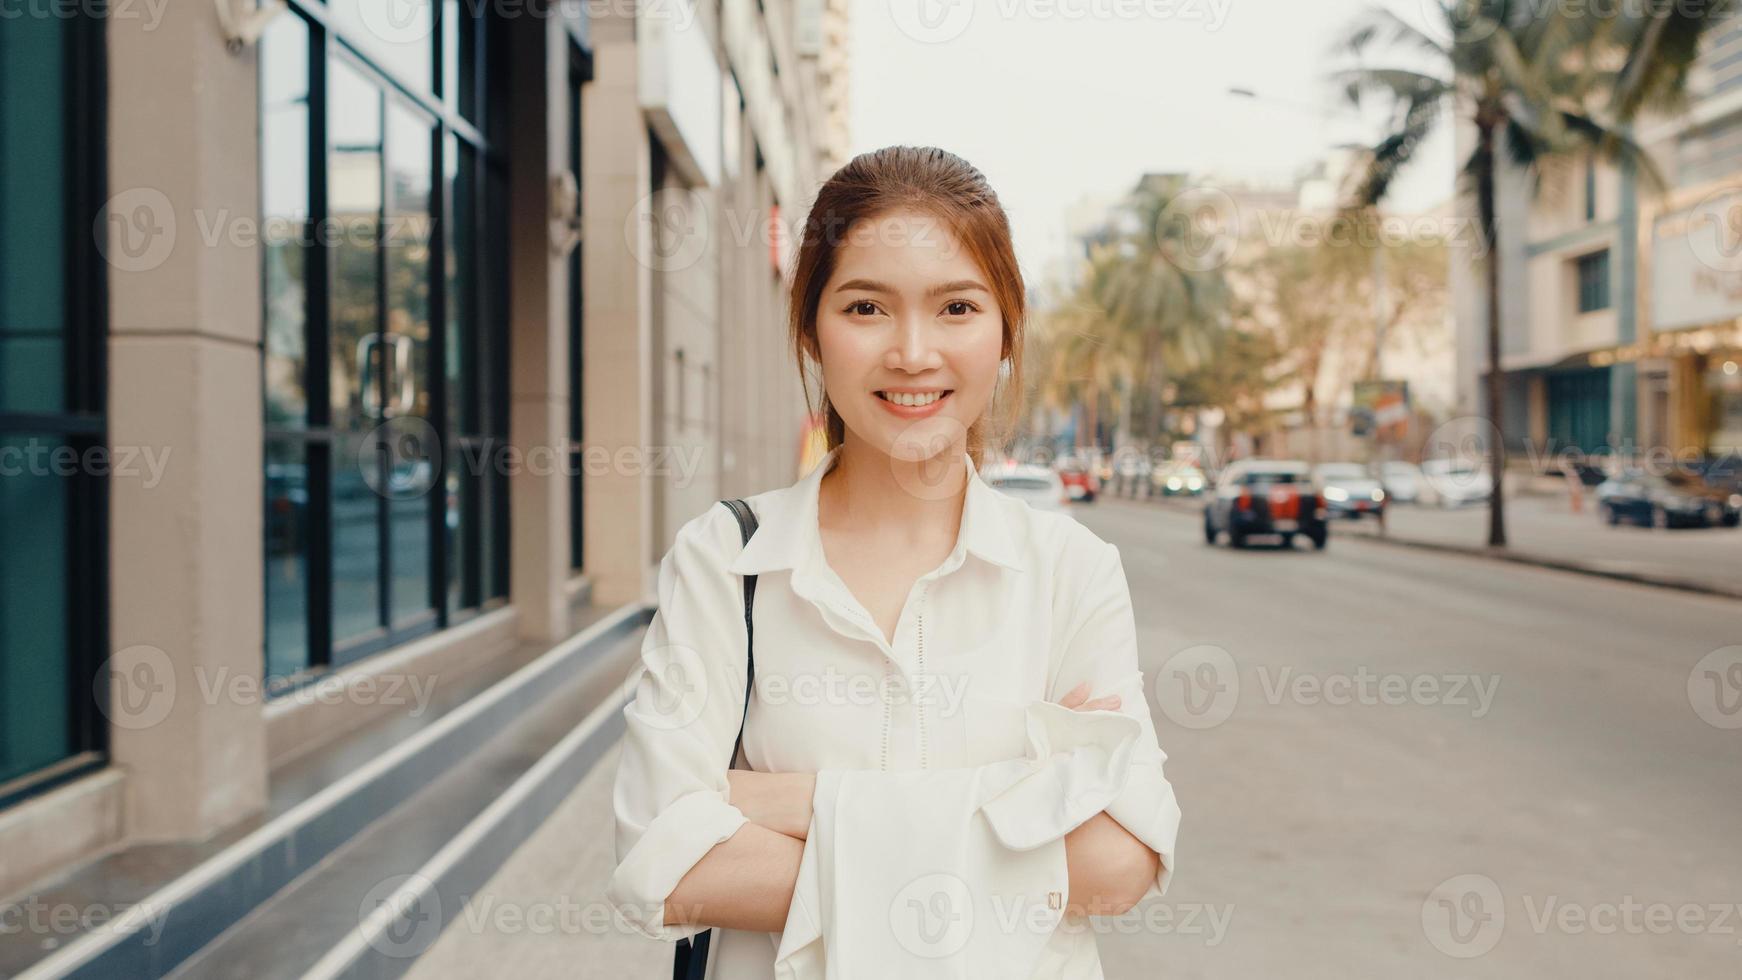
[{"x": 934, "y": 182}]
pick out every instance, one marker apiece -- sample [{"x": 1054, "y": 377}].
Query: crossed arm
[{"x": 746, "y": 881}]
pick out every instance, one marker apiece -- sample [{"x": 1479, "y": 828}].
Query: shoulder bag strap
[{"x": 691, "y": 959}]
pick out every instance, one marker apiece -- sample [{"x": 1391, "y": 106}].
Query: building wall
[
  {"x": 1671, "y": 290},
  {"x": 186, "y": 559}
]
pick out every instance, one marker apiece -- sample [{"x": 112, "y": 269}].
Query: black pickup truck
[{"x": 1266, "y": 496}]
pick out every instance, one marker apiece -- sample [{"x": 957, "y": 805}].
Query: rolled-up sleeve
[
  {"x": 1102, "y": 649},
  {"x": 671, "y": 792}
]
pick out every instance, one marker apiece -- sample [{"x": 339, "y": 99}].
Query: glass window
[
  {"x": 53, "y": 502},
  {"x": 357, "y": 356},
  {"x": 410, "y": 181},
  {"x": 1593, "y": 271},
  {"x": 35, "y": 671},
  {"x": 383, "y": 354},
  {"x": 287, "y": 558},
  {"x": 32, "y": 202},
  {"x": 284, "y": 194}
]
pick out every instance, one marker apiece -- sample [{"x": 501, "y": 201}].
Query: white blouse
[{"x": 947, "y": 774}]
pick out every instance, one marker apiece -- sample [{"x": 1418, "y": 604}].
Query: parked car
[
  {"x": 1678, "y": 499},
  {"x": 1079, "y": 479},
  {"x": 1402, "y": 481},
  {"x": 1040, "y": 487},
  {"x": 1178, "y": 478},
  {"x": 1266, "y": 496},
  {"x": 1454, "y": 482},
  {"x": 1349, "y": 491}
]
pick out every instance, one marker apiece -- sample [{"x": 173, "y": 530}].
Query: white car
[
  {"x": 1456, "y": 482},
  {"x": 1038, "y": 485},
  {"x": 1402, "y": 481}
]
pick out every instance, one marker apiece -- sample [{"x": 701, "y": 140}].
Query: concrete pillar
[
  {"x": 618, "y": 331},
  {"x": 184, "y": 381},
  {"x": 538, "y": 489}
]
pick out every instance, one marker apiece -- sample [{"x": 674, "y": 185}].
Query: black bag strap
[
  {"x": 747, "y": 527},
  {"x": 691, "y": 959}
]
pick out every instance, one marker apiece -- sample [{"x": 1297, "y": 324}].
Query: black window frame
[{"x": 580, "y": 73}]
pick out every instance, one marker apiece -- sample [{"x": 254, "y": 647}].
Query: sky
[{"x": 1057, "y": 99}]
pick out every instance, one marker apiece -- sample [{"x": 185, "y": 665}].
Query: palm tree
[
  {"x": 1136, "y": 309},
  {"x": 1662, "y": 44},
  {"x": 1087, "y": 349},
  {"x": 1528, "y": 81},
  {"x": 1171, "y": 297}
]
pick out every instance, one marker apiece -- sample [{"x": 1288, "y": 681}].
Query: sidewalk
[
  {"x": 543, "y": 914},
  {"x": 1542, "y": 530}
]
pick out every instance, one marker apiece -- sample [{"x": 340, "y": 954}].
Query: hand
[
  {"x": 780, "y": 801},
  {"x": 1078, "y": 700}
]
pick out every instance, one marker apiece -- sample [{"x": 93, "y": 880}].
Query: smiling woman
[{"x": 947, "y": 723}]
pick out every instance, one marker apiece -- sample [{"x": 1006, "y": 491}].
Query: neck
[{"x": 911, "y": 500}]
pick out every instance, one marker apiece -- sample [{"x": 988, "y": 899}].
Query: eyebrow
[{"x": 872, "y": 286}]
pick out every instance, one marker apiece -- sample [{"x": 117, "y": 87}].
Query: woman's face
[{"x": 909, "y": 335}]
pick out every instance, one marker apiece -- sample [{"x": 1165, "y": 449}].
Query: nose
[{"x": 913, "y": 347}]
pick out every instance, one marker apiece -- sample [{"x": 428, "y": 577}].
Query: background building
[
  {"x": 1620, "y": 305},
  {"x": 378, "y": 341}
]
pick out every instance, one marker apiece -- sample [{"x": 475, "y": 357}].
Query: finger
[{"x": 1076, "y": 696}]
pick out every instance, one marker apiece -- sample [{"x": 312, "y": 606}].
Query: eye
[
  {"x": 960, "y": 307},
  {"x": 862, "y": 307}
]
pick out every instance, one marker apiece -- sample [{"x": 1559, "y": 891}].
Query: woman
[{"x": 918, "y": 637}]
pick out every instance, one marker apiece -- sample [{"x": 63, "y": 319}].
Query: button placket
[{"x": 920, "y": 678}]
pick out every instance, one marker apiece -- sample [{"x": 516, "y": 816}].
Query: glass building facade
[
  {"x": 384, "y": 194},
  {"x": 53, "y": 445}
]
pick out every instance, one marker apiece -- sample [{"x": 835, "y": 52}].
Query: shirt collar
[{"x": 789, "y": 532}]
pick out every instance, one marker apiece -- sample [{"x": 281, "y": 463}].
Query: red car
[{"x": 1079, "y": 480}]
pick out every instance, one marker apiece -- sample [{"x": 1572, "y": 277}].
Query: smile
[{"x": 914, "y": 403}]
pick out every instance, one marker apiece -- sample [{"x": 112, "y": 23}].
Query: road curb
[{"x": 1516, "y": 558}]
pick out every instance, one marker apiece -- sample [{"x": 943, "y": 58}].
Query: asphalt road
[
  {"x": 1396, "y": 763},
  {"x": 1392, "y": 764}
]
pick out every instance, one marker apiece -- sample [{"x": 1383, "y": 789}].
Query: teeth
[{"x": 912, "y": 400}]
